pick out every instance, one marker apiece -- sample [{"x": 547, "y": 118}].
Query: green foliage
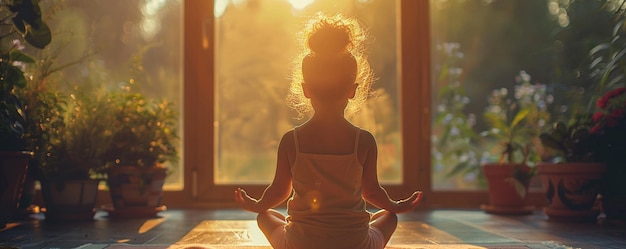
[
  {"x": 75, "y": 147},
  {"x": 515, "y": 123},
  {"x": 26, "y": 20},
  {"x": 608, "y": 63},
  {"x": 513, "y": 135},
  {"x": 146, "y": 133},
  {"x": 571, "y": 142},
  {"x": 45, "y": 110}
]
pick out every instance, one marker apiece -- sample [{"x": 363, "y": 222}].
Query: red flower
[
  {"x": 595, "y": 129},
  {"x": 597, "y": 116},
  {"x": 602, "y": 102},
  {"x": 612, "y": 110}
]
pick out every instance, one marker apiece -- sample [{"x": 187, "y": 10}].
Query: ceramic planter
[
  {"x": 571, "y": 190},
  {"x": 135, "y": 191},
  {"x": 70, "y": 200},
  {"x": 504, "y": 199}
]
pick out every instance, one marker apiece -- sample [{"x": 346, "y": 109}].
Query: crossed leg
[
  {"x": 269, "y": 220},
  {"x": 386, "y": 222},
  {"x": 383, "y": 220}
]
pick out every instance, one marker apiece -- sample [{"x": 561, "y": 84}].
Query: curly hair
[{"x": 332, "y": 57}]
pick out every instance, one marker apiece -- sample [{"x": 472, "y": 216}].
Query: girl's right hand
[{"x": 410, "y": 203}]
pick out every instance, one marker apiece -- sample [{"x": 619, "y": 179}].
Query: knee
[
  {"x": 385, "y": 218},
  {"x": 270, "y": 215},
  {"x": 269, "y": 220},
  {"x": 384, "y": 214},
  {"x": 265, "y": 215}
]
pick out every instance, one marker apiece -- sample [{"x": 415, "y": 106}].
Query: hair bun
[{"x": 329, "y": 39}]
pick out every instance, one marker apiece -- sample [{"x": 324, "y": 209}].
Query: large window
[
  {"x": 237, "y": 65},
  {"x": 256, "y": 42},
  {"x": 235, "y": 56}
]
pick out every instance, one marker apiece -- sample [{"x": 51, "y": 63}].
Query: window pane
[
  {"x": 108, "y": 43},
  {"x": 490, "y": 56},
  {"x": 255, "y": 44}
]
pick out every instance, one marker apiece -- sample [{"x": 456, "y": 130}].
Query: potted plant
[
  {"x": 508, "y": 179},
  {"x": 25, "y": 25},
  {"x": 607, "y": 69},
  {"x": 606, "y": 76},
  {"x": 515, "y": 125},
  {"x": 145, "y": 142},
  {"x": 610, "y": 127},
  {"x": 71, "y": 161},
  {"x": 573, "y": 178}
]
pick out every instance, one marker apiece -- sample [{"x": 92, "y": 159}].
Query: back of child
[
  {"x": 326, "y": 208},
  {"x": 326, "y": 167}
]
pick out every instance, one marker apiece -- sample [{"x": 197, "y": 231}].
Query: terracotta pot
[
  {"x": 135, "y": 191},
  {"x": 13, "y": 167},
  {"x": 502, "y": 194},
  {"x": 571, "y": 190},
  {"x": 70, "y": 200}
]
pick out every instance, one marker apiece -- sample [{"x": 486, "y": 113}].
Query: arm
[
  {"x": 280, "y": 188},
  {"x": 376, "y": 194}
]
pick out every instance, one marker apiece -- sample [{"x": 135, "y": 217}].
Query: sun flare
[{"x": 300, "y": 4}]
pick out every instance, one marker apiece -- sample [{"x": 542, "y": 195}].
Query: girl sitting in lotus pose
[{"x": 328, "y": 163}]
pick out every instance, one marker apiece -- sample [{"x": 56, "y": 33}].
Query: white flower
[
  {"x": 17, "y": 44},
  {"x": 454, "y": 131}
]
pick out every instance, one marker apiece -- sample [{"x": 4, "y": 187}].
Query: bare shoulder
[
  {"x": 287, "y": 142},
  {"x": 287, "y": 146},
  {"x": 367, "y": 146},
  {"x": 366, "y": 139}
]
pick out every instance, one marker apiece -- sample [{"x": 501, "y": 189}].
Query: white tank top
[{"x": 326, "y": 209}]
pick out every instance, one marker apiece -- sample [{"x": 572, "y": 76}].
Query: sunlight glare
[
  {"x": 150, "y": 24},
  {"x": 300, "y": 4},
  {"x": 219, "y": 7},
  {"x": 149, "y": 224}
]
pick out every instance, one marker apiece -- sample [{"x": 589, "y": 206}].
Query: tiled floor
[{"x": 237, "y": 229}]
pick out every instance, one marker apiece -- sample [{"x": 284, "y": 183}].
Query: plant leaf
[
  {"x": 517, "y": 185},
  {"x": 17, "y": 55},
  {"x": 521, "y": 115}
]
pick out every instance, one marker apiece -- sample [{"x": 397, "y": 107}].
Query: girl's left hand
[
  {"x": 245, "y": 201},
  {"x": 410, "y": 203}
]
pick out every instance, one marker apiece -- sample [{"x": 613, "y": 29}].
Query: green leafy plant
[
  {"x": 19, "y": 20},
  {"x": 608, "y": 63},
  {"x": 512, "y": 135},
  {"x": 571, "y": 142},
  {"x": 75, "y": 146},
  {"x": 608, "y": 72},
  {"x": 516, "y": 124},
  {"x": 146, "y": 133}
]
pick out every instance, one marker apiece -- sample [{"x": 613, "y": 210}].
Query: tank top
[{"x": 326, "y": 209}]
